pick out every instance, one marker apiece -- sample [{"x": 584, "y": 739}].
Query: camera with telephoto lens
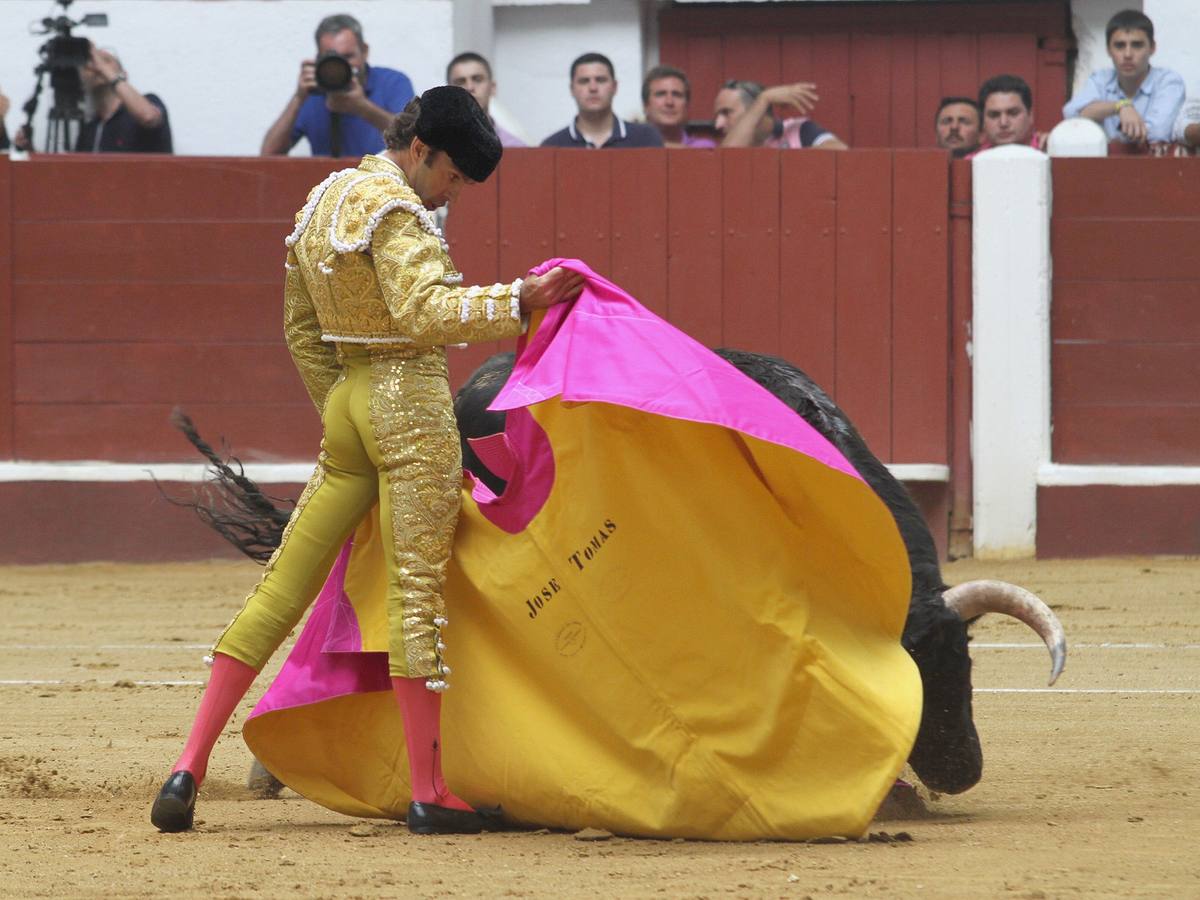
[{"x": 333, "y": 73}]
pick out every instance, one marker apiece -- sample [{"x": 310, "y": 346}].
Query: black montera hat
[{"x": 451, "y": 120}]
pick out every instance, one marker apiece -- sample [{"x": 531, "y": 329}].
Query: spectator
[
  {"x": 957, "y": 125},
  {"x": 1135, "y": 103},
  {"x": 593, "y": 85},
  {"x": 348, "y": 122},
  {"x": 1186, "y": 133},
  {"x": 665, "y": 98},
  {"x": 1007, "y": 105},
  {"x": 742, "y": 115},
  {"x": 473, "y": 72}
]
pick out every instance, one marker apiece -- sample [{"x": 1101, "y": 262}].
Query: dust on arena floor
[{"x": 1090, "y": 789}]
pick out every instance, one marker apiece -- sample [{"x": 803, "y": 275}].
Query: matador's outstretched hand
[{"x": 555, "y": 286}]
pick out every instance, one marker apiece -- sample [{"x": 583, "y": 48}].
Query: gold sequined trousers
[{"x": 390, "y": 436}]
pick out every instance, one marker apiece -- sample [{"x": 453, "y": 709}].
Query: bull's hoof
[
  {"x": 175, "y": 805},
  {"x": 429, "y": 818},
  {"x": 264, "y": 785}
]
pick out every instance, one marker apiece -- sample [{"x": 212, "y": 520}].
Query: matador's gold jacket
[{"x": 367, "y": 264}]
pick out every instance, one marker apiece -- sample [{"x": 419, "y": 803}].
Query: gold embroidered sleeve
[
  {"x": 422, "y": 292},
  {"x": 315, "y": 359}
]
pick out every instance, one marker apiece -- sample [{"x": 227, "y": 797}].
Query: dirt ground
[{"x": 1091, "y": 790}]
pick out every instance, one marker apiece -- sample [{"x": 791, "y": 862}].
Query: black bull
[{"x": 947, "y": 755}]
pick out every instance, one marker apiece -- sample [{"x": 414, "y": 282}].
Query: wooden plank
[
  {"x": 1008, "y": 54},
  {"x": 871, "y": 90},
  {"x": 751, "y": 57},
  {"x": 155, "y": 373},
  {"x": 130, "y": 188},
  {"x": 583, "y": 214},
  {"x": 928, "y": 87},
  {"x": 149, "y": 312},
  {"x": 141, "y": 432},
  {"x": 750, "y": 249},
  {"x": 164, "y": 252},
  {"x": 1095, "y": 520},
  {"x": 903, "y": 80},
  {"x": 1047, "y": 18},
  {"x": 694, "y": 244},
  {"x": 1141, "y": 435},
  {"x": 961, "y": 314},
  {"x": 864, "y": 288},
  {"x": 1128, "y": 250},
  {"x": 526, "y": 210},
  {"x": 705, "y": 74},
  {"x": 796, "y": 59},
  {"x": 1125, "y": 374},
  {"x": 831, "y": 66},
  {"x": 1145, "y": 312},
  {"x": 1126, "y": 188},
  {"x": 7, "y": 313},
  {"x": 960, "y": 65},
  {"x": 1050, "y": 90},
  {"x": 472, "y": 231},
  {"x": 808, "y": 264},
  {"x": 920, "y": 307},
  {"x": 639, "y": 233}
]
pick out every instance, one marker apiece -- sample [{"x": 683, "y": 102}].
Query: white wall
[{"x": 225, "y": 69}]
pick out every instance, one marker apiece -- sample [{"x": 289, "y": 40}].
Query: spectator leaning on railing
[
  {"x": 666, "y": 95},
  {"x": 1186, "y": 133},
  {"x": 346, "y": 122},
  {"x": 742, "y": 115},
  {"x": 593, "y": 85},
  {"x": 474, "y": 73},
  {"x": 1134, "y": 102}
]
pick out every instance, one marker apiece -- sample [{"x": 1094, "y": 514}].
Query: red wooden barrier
[
  {"x": 1126, "y": 338},
  {"x": 138, "y": 284}
]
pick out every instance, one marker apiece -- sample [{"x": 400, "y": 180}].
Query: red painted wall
[
  {"x": 1125, "y": 323},
  {"x": 881, "y": 68}
]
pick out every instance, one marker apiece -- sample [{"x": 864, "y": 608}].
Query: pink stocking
[
  {"x": 422, "y": 711},
  {"x": 227, "y": 686}
]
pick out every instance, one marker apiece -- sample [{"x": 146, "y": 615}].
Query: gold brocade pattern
[
  {"x": 369, "y": 296},
  {"x": 412, "y": 415}
]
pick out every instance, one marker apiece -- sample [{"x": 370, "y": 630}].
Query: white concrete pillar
[
  {"x": 1010, "y": 437},
  {"x": 1077, "y": 137}
]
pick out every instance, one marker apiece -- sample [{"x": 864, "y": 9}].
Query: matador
[{"x": 371, "y": 299}]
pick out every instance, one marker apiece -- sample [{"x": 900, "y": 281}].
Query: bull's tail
[{"x": 232, "y": 504}]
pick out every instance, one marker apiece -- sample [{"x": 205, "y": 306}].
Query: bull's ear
[{"x": 496, "y": 453}]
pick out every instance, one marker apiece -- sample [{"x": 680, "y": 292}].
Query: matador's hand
[{"x": 555, "y": 286}]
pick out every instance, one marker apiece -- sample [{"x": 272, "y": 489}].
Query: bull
[{"x": 947, "y": 755}]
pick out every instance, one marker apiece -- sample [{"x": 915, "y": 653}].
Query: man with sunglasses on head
[{"x": 743, "y": 116}]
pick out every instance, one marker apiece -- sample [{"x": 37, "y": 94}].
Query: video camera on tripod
[{"x": 62, "y": 57}]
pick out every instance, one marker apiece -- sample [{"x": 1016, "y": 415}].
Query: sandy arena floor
[{"x": 1090, "y": 790}]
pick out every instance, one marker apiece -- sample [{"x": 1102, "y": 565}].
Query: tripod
[{"x": 65, "y": 120}]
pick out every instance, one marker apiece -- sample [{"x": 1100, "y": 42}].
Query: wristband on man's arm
[{"x": 1121, "y": 104}]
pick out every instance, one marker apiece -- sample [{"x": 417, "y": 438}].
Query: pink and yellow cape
[{"x": 680, "y": 619}]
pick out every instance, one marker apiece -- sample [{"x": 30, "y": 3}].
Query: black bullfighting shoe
[
  {"x": 429, "y": 818},
  {"x": 175, "y": 805}
]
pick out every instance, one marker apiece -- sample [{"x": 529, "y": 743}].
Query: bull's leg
[{"x": 263, "y": 783}]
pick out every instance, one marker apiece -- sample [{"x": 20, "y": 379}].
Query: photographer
[
  {"x": 124, "y": 119},
  {"x": 340, "y": 120}
]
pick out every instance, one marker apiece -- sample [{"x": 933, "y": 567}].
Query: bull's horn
[{"x": 978, "y": 597}]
